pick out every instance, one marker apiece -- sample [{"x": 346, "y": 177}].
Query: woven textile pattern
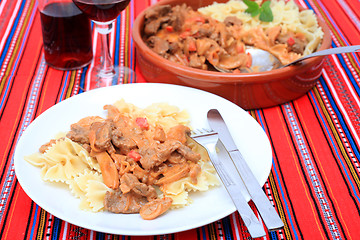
[{"x": 314, "y": 183}]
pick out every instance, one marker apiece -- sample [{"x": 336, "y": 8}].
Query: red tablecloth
[{"x": 314, "y": 183}]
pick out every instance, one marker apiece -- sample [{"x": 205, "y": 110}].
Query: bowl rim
[{"x": 217, "y": 77}]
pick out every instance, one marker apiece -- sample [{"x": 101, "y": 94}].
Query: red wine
[
  {"x": 66, "y": 36},
  {"x": 102, "y": 10}
]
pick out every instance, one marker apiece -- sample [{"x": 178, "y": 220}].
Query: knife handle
[
  {"x": 262, "y": 203},
  {"x": 232, "y": 186}
]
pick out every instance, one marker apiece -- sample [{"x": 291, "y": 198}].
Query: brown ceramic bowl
[{"x": 248, "y": 90}]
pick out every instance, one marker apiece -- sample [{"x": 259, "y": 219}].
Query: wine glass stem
[{"x": 106, "y": 67}]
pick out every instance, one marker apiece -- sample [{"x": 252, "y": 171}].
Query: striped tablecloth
[{"x": 314, "y": 182}]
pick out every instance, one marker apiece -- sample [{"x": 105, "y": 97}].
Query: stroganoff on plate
[{"x": 134, "y": 160}]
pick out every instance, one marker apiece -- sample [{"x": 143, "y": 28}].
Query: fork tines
[{"x": 202, "y": 132}]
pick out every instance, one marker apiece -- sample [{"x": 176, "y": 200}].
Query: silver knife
[{"x": 266, "y": 210}]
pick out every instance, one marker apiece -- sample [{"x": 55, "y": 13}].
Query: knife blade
[{"x": 262, "y": 203}]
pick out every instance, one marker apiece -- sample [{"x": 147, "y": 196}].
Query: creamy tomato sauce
[
  {"x": 190, "y": 38},
  {"x": 134, "y": 158}
]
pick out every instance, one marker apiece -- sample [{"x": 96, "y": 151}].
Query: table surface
[{"x": 314, "y": 183}]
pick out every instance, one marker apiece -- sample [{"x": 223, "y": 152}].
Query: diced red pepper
[
  {"x": 290, "y": 41},
  {"x": 142, "y": 122},
  {"x": 184, "y": 34},
  {"x": 134, "y": 155},
  {"x": 249, "y": 60},
  {"x": 192, "y": 46},
  {"x": 169, "y": 28},
  {"x": 236, "y": 71}
]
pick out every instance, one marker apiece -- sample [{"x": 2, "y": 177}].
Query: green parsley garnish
[{"x": 264, "y": 10}]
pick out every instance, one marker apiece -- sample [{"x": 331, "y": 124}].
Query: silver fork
[{"x": 232, "y": 182}]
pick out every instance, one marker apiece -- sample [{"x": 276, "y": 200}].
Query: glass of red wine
[
  {"x": 66, "y": 35},
  {"x": 103, "y": 13}
]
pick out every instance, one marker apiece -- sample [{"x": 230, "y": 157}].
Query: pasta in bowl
[
  {"x": 133, "y": 161},
  {"x": 215, "y": 33}
]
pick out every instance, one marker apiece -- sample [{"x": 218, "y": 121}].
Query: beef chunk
[
  {"x": 232, "y": 20},
  {"x": 129, "y": 182},
  {"x": 158, "y": 45},
  {"x": 123, "y": 143},
  {"x": 156, "y": 154},
  {"x": 155, "y": 17},
  {"x": 117, "y": 202},
  {"x": 156, "y": 12},
  {"x": 80, "y": 131},
  {"x": 188, "y": 154},
  {"x": 101, "y": 132}
]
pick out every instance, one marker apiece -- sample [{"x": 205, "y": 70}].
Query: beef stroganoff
[
  {"x": 133, "y": 161},
  {"x": 217, "y": 35}
]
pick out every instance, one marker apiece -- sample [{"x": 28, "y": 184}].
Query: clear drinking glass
[
  {"x": 66, "y": 34},
  {"x": 103, "y": 13}
]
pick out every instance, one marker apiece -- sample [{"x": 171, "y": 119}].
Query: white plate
[{"x": 207, "y": 206}]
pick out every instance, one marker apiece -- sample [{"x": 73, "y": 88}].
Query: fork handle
[
  {"x": 232, "y": 185},
  {"x": 265, "y": 208},
  {"x": 337, "y": 50}
]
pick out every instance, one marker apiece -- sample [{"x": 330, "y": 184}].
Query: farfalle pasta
[
  {"x": 133, "y": 160},
  {"x": 62, "y": 161},
  {"x": 286, "y": 14},
  {"x": 158, "y": 113},
  {"x": 90, "y": 188}
]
